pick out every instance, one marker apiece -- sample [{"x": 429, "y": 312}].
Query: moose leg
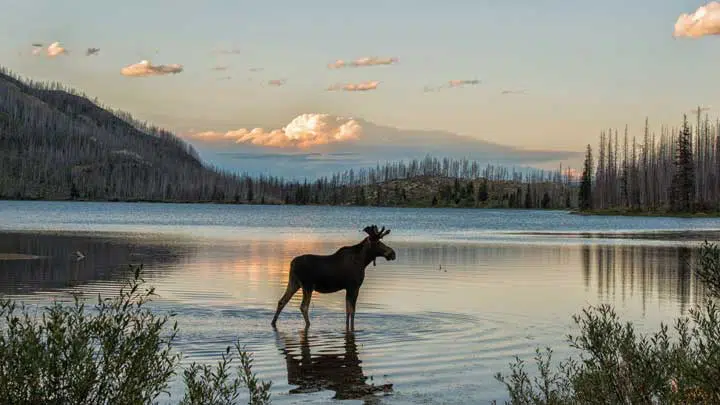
[
  {"x": 350, "y": 300},
  {"x": 305, "y": 306},
  {"x": 291, "y": 289}
]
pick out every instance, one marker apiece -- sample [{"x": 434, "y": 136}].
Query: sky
[{"x": 584, "y": 66}]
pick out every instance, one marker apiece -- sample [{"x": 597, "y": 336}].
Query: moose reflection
[
  {"x": 342, "y": 270},
  {"x": 340, "y": 371}
]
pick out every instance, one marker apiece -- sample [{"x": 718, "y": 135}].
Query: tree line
[
  {"x": 675, "y": 170},
  {"x": 56, "y": 143}
]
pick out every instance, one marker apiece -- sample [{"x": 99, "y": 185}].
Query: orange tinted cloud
[
  {"x": 366, "y": 61},
  {"x": 704, "y": 21},
  {"x": 53, "y": 50},
  {"x": 145, "y": 68},
  {"x": 365, "y": 86},
  {"x": 303, "y": 132}
]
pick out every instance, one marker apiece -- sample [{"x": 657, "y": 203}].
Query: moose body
[{"x": 342, "y": 270}]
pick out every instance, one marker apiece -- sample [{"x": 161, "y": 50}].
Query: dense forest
[
  {"x": 675, "y": 171},
  {"x": 57, "y": 144}
]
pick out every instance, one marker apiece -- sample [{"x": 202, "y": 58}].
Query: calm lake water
[{"x": 470, "y": 289}]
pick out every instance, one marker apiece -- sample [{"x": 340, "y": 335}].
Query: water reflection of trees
[
  {"x": 106, "y": 259},
  {"x": 624, "y": 271},
  {"x": 337, "y": 370}
]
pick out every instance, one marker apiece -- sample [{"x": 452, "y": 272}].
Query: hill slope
[{"x": 55, "y": 144}]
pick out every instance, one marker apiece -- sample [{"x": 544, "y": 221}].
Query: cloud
[
  {"x": 365, "y": 86},
  {"x": 303, "y": 132},
  {"x": 233, "y": 51},
  {"x": 704, "y": 21},
  {"x": 53, "y": 50},
  {"x": 367, "y": 61},
  {"x": 506, "y": 92},
  {"x": 451, "y": 84},
  {"x": 92, "y": 51},
  {"x": 145, "y": 68},
  {"x": 459, "y": 83}
]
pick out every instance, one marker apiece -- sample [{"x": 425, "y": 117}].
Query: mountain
[
  {"x": 56, "y": 144},
  {"x": 378, "y": 144}
]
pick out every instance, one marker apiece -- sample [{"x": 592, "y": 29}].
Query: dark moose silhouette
[{"x": 342, "y": 270}]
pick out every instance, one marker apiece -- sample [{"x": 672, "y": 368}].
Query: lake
[{"x": 470, "y": 289}]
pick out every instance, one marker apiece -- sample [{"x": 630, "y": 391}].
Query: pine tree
[
  {"x": 585, "y": 200},
  {"x": 682, "y": 187}
]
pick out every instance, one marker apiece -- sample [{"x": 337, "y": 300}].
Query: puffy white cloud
[
  {"x": 303, "y": 132},
  {"x": 365, "y": 86},
  {"x": 366, "y": 61},
  {"x": 704, "y": 21},
  {"x": 145, "y": 68}
]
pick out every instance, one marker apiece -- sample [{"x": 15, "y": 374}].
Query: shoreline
[{"x": 640, "y": 213}]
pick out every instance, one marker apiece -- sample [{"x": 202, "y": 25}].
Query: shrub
[
  {"x": 618, "y": 366},
  {"x": 121, "y": 353}
]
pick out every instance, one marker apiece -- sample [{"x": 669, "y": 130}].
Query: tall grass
[
  {"x": 617, "y": 365},
  {"x": 120, "y": 353}
]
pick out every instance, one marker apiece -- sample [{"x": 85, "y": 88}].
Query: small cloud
[
  {"x": 145, "y": 68},
  {"x": 92, "y": 51},
  {"x": 508, "y": 92},
  {"x": 53, "y": 50},
  {"x": 367, "y": 61},
  {"x": 460, "y": 83},
  {"x": 277, "y": 82},
  {"x": 233, "y": 51},
  {"x": 303, "y": 132},
  {"x": 704, "y": 21},
  {"x": 451, "y": 84},
  {"x": 365, "y": 86}
]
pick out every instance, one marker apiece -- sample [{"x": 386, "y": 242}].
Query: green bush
[
  {"x": 617, "y": 365},
  {"x": 121, "y": 353}
]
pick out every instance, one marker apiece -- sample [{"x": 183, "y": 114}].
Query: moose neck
[{"x": 366, "y": 256}]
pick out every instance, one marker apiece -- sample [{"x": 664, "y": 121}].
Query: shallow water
[{"x": 470, "y": 289}]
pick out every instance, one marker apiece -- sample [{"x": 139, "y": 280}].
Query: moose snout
[{"x": 391, "y": 255}]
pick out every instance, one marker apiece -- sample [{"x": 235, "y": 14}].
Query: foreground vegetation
[
  {"x": 618, "y": 365},
  {"x": 120, "y": 353}
]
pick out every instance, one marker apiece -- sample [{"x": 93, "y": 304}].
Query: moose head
[{"x": 376, "y": 247}]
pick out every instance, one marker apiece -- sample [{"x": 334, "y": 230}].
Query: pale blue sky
[{"x": 586, "y": 65}]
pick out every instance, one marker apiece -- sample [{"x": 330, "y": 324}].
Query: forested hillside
[
  {"x": 57, "y": 144},
  {"x": 674, "y": 171}
]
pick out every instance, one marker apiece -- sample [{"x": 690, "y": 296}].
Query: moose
[{"x": 342, "y": 270}]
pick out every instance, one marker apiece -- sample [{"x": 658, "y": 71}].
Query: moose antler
[{"x": 373, "y": 232}]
